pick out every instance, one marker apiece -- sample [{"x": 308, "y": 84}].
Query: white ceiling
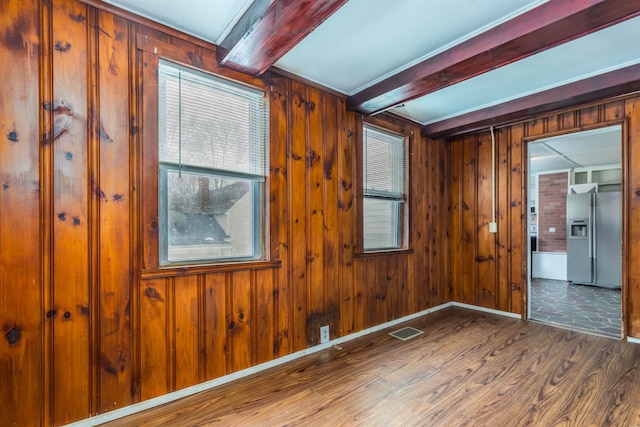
[
  {"x": 209, "y": 20},
  {"x": 595, "y": 147},
  {"x": 366, "y": 41}
]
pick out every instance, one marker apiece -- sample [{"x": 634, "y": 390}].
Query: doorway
[{"x": 572, "y": 284}]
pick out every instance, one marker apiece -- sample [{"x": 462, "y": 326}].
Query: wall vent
[{"x": 406, "y": 333}]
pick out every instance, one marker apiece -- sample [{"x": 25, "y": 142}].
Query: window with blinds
[
  {"x": 212, "y": 152},
  {"x": 384, "y": 189}
]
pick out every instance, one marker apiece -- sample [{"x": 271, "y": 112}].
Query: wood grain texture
[
  {"x": 155, "y": 351},
  {"x": 112, "y": 191},
  {"x": 241, "y": 321},
  {"x": 435, "y": 160},
  {"x": 333, "y": 113},
  {"x": 72, "y": 164},
  {"x": 421, "y": 203},
  {"x": 468, "y": 225},
  {"x": 185, "y": 329},
  {"x": 500, "y": 280},
  {"x": 632, "y": 190},
  {"x": 215, "y": 326},
  {"x": 316, "y": 237},
  {"x": 297, "y": 196},
  {"x": 454, "y": 158},
  {"x": 468, "y": 368},
  {"x": 503, "y": 211},
  {"x": 486, "y": 244},
  {"x": 280, "y": 211},
  {"x": 517, "y": 212},
  {"x": 264, "y": 314},
  {"x": 21, "y": 296},
  {"x": 346, "y": 166}
]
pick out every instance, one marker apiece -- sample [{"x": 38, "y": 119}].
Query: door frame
[{"x": 624, "y": 145}]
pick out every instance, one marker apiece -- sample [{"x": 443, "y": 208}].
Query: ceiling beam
[
  {"x": 614, "y": 83},
  {"x": 269, "y": 29},
  {"x": 548, "y": 25}
]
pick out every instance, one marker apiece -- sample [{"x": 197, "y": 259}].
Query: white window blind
[
  {"x": 215, "y": 124},
  {"x": 384, "y": 164}
]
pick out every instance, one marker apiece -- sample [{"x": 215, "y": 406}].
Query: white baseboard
[
  {"x": 179, "y": 394},
  {"x": 633, "y": 340},
  {"x": 486, "y": 310}
]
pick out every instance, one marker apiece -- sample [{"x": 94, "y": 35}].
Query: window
[
  {"x": 212, "y": 148},
  {"x": 384, "y": 182}
]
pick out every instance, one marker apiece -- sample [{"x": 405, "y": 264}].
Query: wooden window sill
[
  {"x": 383, "y": 253},
  {"x": 187, "y": 270}
]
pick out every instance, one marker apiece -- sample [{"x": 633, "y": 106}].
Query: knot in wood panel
[
  {"x": 62, "y": 46},
  {"x": 13, "y": 136},
  {"x": 151, "y": 293},
  {"x": 13, "y": 335}
]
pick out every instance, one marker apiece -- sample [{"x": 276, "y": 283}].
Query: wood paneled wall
[
  {"x": 489, "y": 270},
  {"x": 89, "y": 323}
]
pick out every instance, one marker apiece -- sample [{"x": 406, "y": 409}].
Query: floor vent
[{"x": 406, "y": 333}]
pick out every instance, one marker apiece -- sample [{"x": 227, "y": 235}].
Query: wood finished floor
[{"x": 468, "y": 369}]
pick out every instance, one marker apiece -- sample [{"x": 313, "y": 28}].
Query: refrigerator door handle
[
  {"x": 590, "y": 229},
  {"x": 592, "y": 238}
]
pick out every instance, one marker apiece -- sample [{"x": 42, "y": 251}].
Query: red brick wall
[{"x": 552, "y": 212}]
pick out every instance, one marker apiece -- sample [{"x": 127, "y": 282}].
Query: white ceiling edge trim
[
  {"x": 450, "y": 45},
  {"x": 217, "y": 42},
  {"x": 285, "y": 72},
  {"x": 156, "y": 20},
  {"x": 235, "y": 20},
  {"x": 530, "y": 92}
]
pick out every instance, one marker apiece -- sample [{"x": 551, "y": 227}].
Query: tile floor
[{"x": 581, "y": 307}]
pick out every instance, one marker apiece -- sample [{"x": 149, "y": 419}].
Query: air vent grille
[{"x": 406, "y": 333}]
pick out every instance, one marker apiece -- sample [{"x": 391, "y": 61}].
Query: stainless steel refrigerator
[{"x": 594, "y": 239}]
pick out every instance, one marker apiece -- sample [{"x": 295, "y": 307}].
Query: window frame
[
  {"x": 165, "y": 167},
  {"x": 144, "y": 137},
  {"x": 391, "y": 126}
]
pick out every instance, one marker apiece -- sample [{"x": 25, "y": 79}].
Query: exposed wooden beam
[
  {"x": 268, "y": 30},
  {"x": 546, "y": 26},
  {"x": 618, "y": 82}
]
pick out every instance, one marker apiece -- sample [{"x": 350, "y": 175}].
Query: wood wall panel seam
[
  {"x": 46, "y": 208},
  {"x": 93, "y": 120},
  {"x": 134, "y": 69},
  {"x": 170, "y": 330}
]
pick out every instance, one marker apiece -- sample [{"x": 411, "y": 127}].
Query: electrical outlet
[
  {"x": 493, "y": 227},
  {"x": 324, "y": 334}
]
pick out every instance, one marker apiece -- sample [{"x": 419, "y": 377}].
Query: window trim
[
  {"x": 144, "y": 131},
  {"x": 384, "y": 124},
  {"x": 165, "y": 167}
]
